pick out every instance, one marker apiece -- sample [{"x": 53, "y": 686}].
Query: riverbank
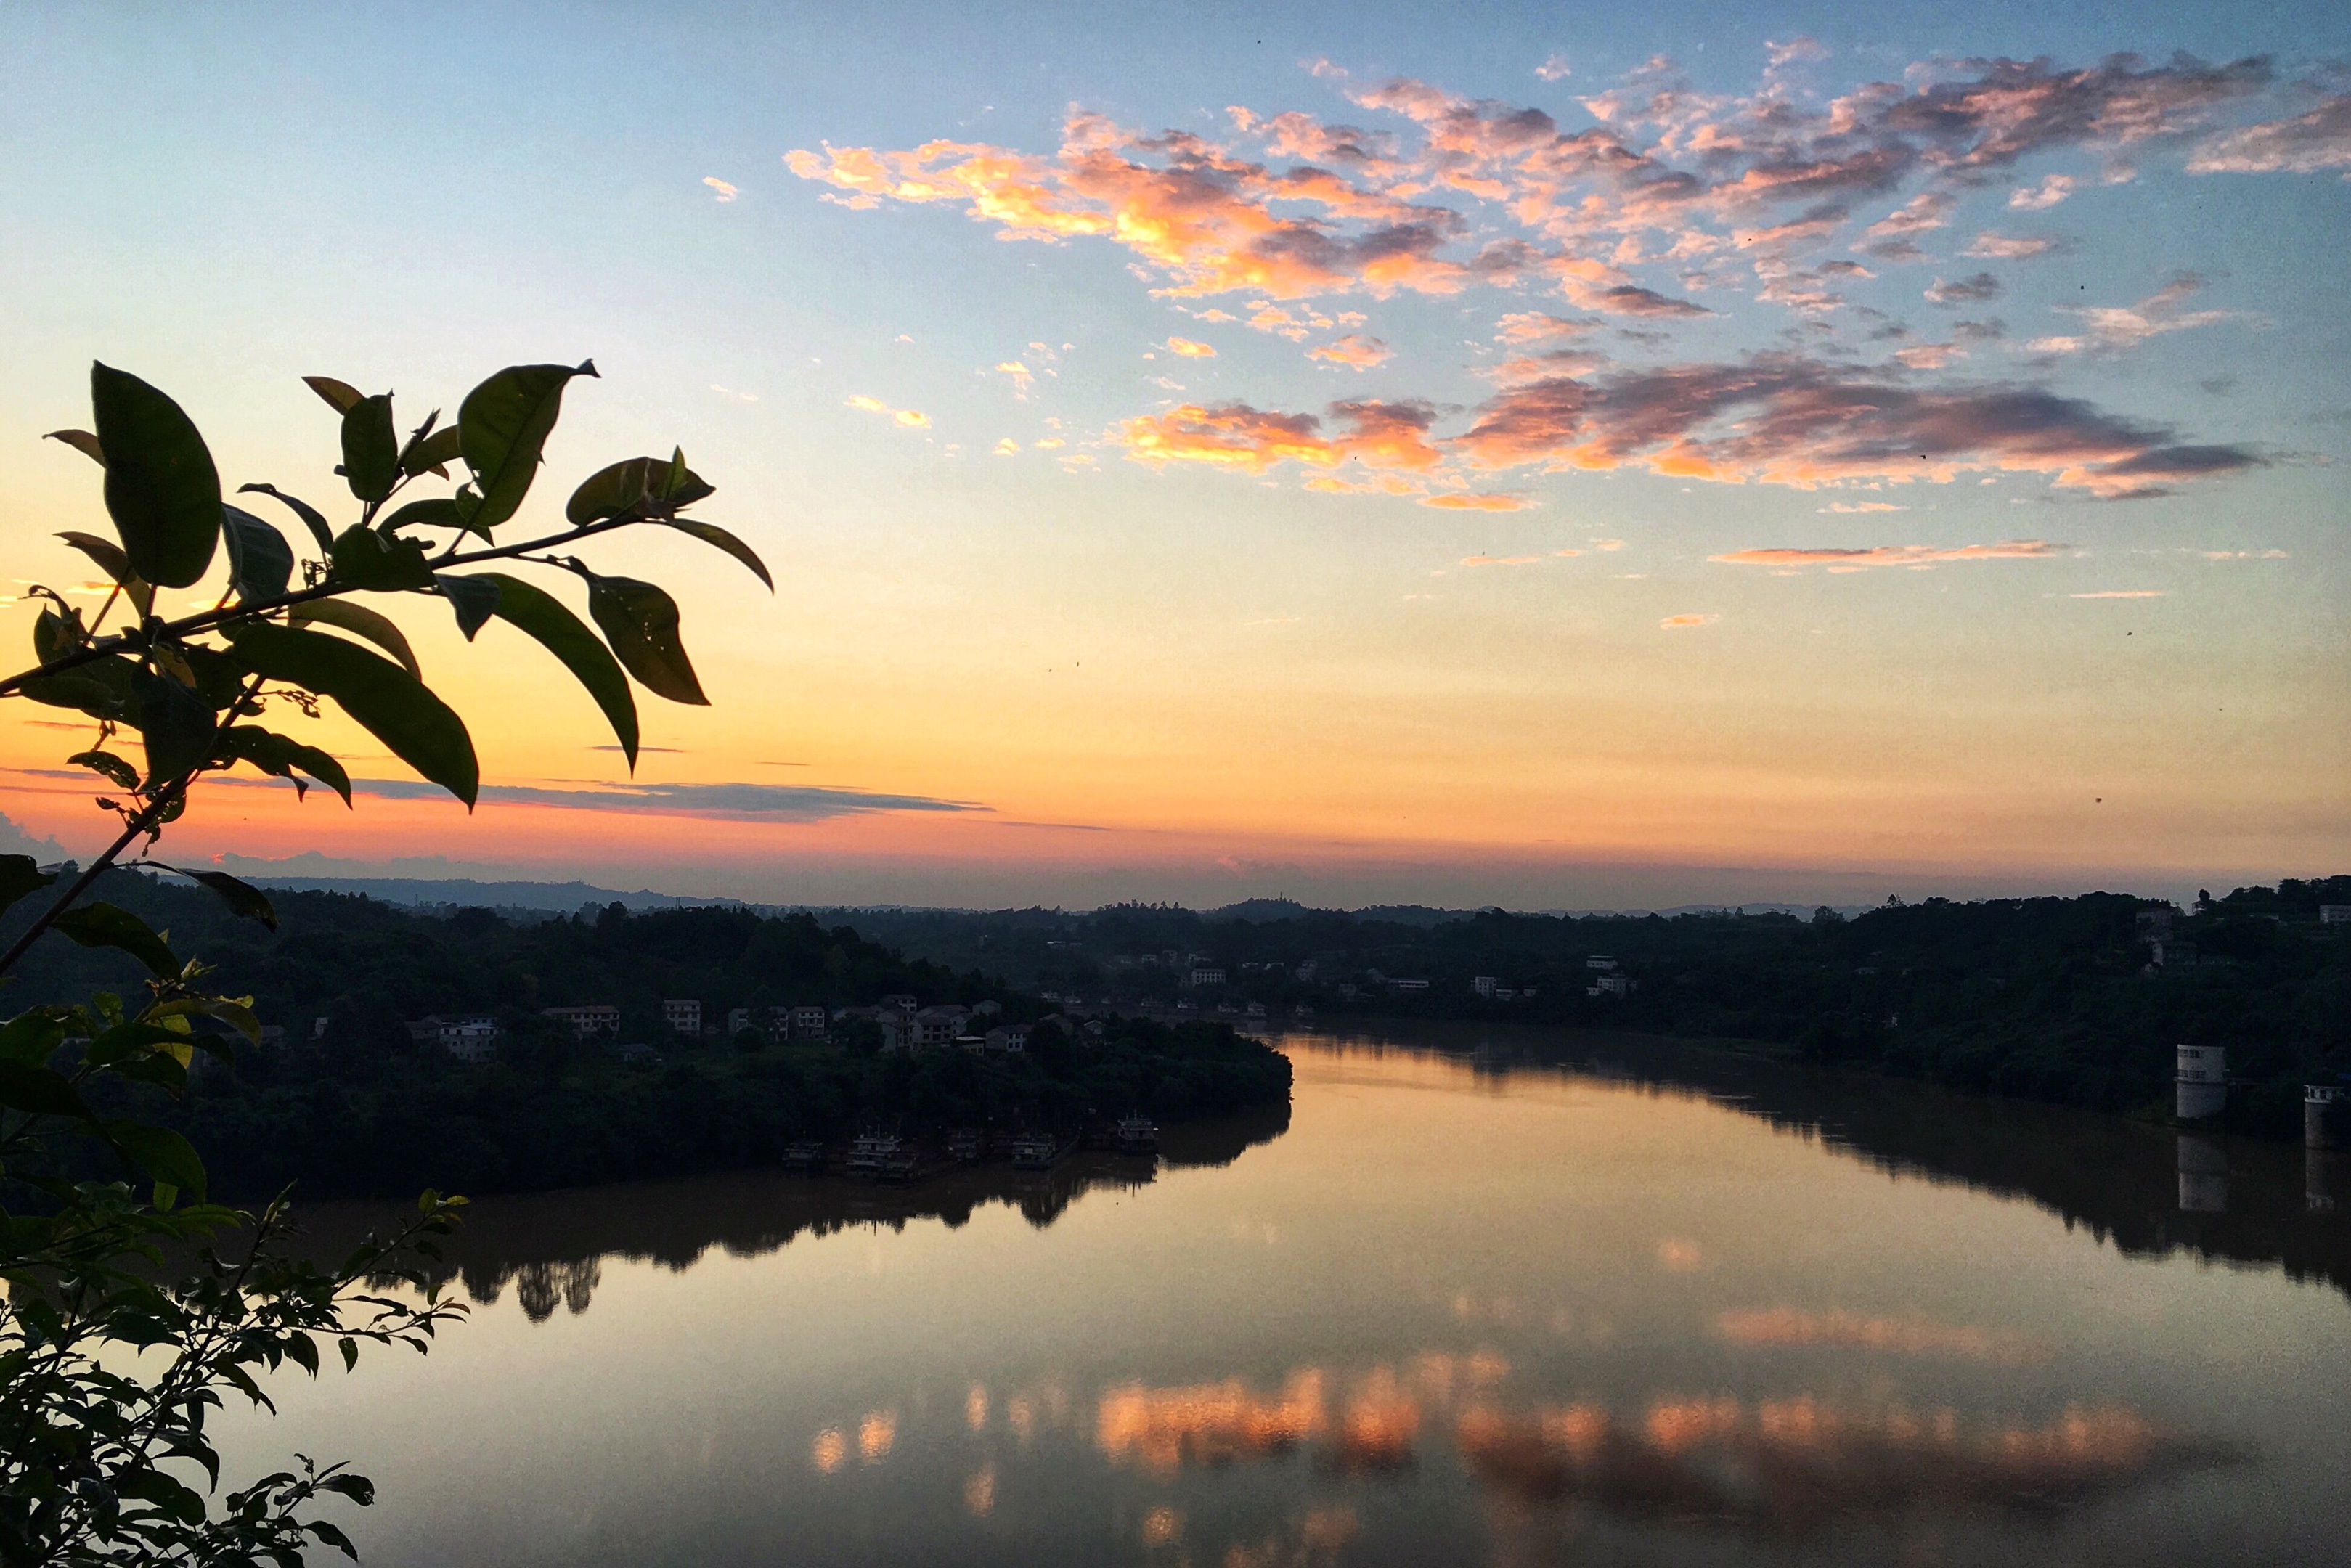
[{"x": 421, "y": 1120}]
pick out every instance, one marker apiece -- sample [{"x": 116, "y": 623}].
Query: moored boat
[{"x": 1138, "y": 1136}]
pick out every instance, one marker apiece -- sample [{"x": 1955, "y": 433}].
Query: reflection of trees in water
[
  {"x": 2120, "y": 1180},
  {"x": 551, "y": 1245},
  {"x": 539, "y": 1287}
]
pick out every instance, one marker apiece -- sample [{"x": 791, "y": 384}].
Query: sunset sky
[{"x": 1548, "y": 457}]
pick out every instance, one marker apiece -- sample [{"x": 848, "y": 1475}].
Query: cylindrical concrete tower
[
  {"x": 2324, "y": 1106},
  {"x": 2203, "y": 1080}
]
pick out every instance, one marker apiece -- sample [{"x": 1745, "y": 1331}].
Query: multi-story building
[
  {"x": 589, "y": 1021},
  {"x": 683, "y": 1014},
  {"x": 473, "y": 1037}
]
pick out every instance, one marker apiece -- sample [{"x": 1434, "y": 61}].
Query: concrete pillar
[
  {"x": 2203, "y": 1081},
  {"x": 2324, "y": 1107}
]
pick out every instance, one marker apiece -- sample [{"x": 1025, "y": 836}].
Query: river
[{"x": 1486, "y": 1297}]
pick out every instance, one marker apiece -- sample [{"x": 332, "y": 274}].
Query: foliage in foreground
[{"x": 106, "y": 1375}]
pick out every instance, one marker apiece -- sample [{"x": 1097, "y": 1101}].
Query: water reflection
[
  {"x": 1513, "y": 1312},
  {"x": 2203, "y": 1176},
  {"x": 550, "y": 1245},
  {"x": 1799, "y": 1465},
  {"x": 2145, "y": 1189}
]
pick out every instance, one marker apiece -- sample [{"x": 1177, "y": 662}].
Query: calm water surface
[{"x": 1485, "y": 1299}]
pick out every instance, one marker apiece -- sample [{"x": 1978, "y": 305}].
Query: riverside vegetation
[
  {"x": 2058, "y": 999},
  {"x": 359, "y": 1109},
  {"x": 103, "y": 1452}
]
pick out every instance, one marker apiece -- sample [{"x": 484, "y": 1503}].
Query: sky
[{"x": 1522, "y": 455}]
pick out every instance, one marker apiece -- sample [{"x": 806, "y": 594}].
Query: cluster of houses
[{"x": 906, "y": 1025}]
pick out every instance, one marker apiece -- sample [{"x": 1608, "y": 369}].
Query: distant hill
[{"x": 554, "y": 897}]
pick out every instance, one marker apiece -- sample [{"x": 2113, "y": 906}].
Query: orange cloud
[
  {"x": 1534, "y": 326},
  {"x": 1355, "y": 350},
  {"x": 727, "y": 193},
  {"x": 912, "y": 418},
  {"x": 1190, "y": 348},
  {"x": 1893, "y": 555},
  {"x": 1235, "y": 435},
  {"x": 1681, "y": 623},
  {"x": 1473, "y": 501}
]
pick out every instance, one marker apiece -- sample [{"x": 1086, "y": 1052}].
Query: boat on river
[
  {"x": 1137, "y": 1135},
  {"x": 1036, "y": 1152},
  {"x": 807, "y": 1154},
  {"x": 872, "y": 1152},
  {"x": 965, "y": 1147}
]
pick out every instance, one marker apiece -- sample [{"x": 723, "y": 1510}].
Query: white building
[
  {"x": 684, "y": 1016},
  {"x": 1484, "y": 984},
  {"x": 1008, "y": 1037},
  {"x": 737, "y": 1020},
  {"x": 588, "y": 1021},
  {"x": 2335, "y": 914},
  {"x": 473, "y": 1037},
  {"x": 1208, "y": 975}
]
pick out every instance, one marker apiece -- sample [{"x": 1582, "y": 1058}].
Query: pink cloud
[
  {"x": 1891, "y": 555},
  {"x": 1683, "y": 624},
  {"x": 1789, "y": 420},
  {"x": 1355, "y": 350},
  {"x": 2308, "y": 144}
]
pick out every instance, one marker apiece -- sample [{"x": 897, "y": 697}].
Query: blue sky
[{"x": 1096, "y": 632}]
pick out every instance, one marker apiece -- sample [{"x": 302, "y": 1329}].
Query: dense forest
[
  {"x": 341, "y": 1097},
  {"x": 2073, "y": 1001}
]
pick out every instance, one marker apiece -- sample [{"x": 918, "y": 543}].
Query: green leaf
[
  {"x": 39, "y": 1091},
  {"x": 617, "y": 491},
  {"x": 162, "y": 1153},
  {"x": 641, "y": 623},
  {"x": 391, "y": 704},
  {"x": 177, "y": 726},
  {"x": 681, "y": 486},
  {"x": 332, "y": 1534},
  {"x": 341, "y": 396},
  {"x": 75, "y": 690},
  {"x": 434, "y": 511},
  {"x": 712, "y": 534},
  {"x": 242, "y": 897},
  {"x": 434, "y": 454},
  {"x": 19, "y": 874},
  {"x": 113, "y": 768},
  {"x": 28, "y": 1039},
  {"x": 125, "y": 1041},
  {"x": 350, "y": 1349},
  {"x": 218, "y": 675},
  {"x": 367, "y": 559},
  {"x": 303, "y": 1352},
  {"x": 474, "y": 598},
  {"x": 278, "y": 756},
  {"x": 370, "y": 448},
  {"x": 102, "y": 688},
  {"x": 260, "y": 562},
  {"x": 81, "y": 441},
  {"x": 502, "y": 426},
  {"x": 231, "y": 1010},
  {"x": 636, "y": 487},
  {"x": 104, "y": 926},
  {"x": 360, "y": 621},
  {"x": 105, "y": 552},
  {"x": 162, "y": 488},
  {"x": 311, "y": 516},
  {"x": 561, "y": 634},
  {"x": 359, "y": 1489}
]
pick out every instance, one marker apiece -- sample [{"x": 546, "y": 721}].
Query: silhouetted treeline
[
  {"x": 355, "y": 1106},
  {"x": 2051, "y": 998}
]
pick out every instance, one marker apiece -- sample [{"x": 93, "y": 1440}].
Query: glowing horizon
[{"x": 1513, "y": 468}]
